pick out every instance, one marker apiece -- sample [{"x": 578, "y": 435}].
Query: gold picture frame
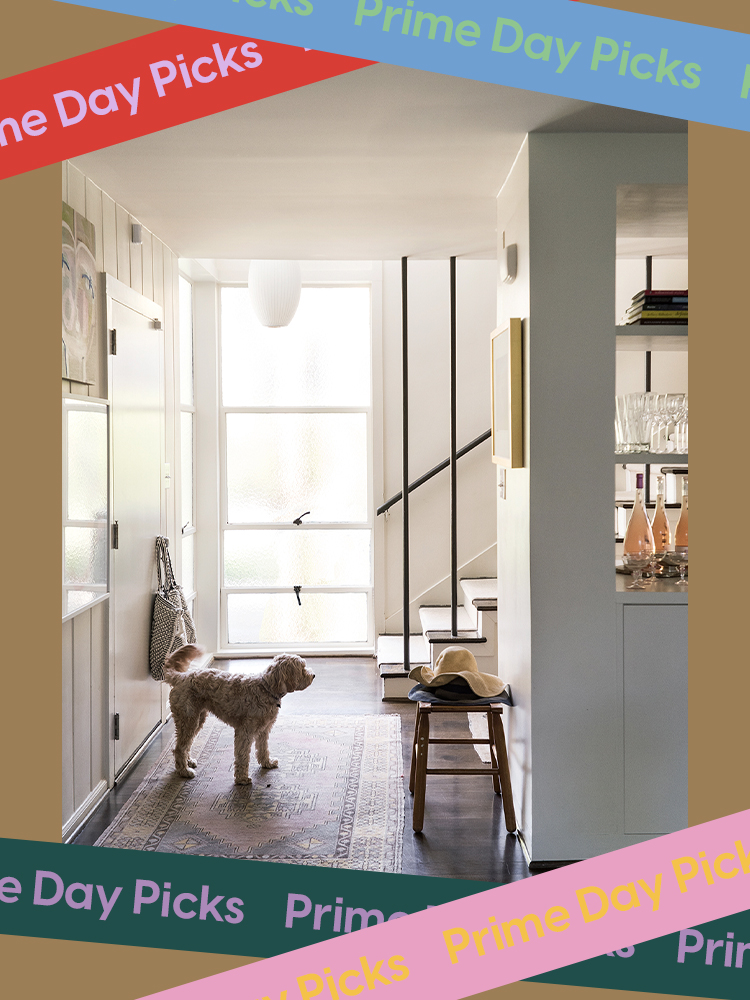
[{"x": 507, "y": 395}]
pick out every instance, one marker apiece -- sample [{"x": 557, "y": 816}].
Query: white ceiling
[{"x": 376, "y": 164}]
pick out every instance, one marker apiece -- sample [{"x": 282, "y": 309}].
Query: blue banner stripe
[{"x": 552, "y": 46}]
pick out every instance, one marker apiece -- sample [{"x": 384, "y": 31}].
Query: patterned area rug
[{"x": 336, "y": 799}]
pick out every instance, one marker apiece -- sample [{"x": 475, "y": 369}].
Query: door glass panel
[
  {"x": 87, "y": 465},
  {"x": 79, "y": 599},
  {"x": 321, "y": 359},
  {"x": 86, "y": 555},
  {"x": 277, "y": 618},
  {"x": 186, "y": 469},
  {"x": 285, "y": 558},
  {"x": 282, "y": 464}
]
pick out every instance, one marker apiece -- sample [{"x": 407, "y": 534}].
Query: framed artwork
[
  {"x": 79, "y": 315},
  {"x": 507, "y": 395}
]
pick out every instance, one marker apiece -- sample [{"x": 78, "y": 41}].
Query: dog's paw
[
  {"x": 269, "y": 764},
  {"x": 186, "y": 772},
  {"x": 192, "y": 763},
  {"x": 243, "y": 781}
]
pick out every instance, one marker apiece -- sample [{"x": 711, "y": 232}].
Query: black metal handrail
[{"x": 434, "y": 471}]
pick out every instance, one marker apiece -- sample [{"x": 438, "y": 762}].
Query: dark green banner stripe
[{"x": 260, "y": 909}]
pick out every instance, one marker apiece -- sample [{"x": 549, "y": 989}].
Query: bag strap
[
  {"x": 171, "y": 582},
  {"x": 159, "y": 560}
]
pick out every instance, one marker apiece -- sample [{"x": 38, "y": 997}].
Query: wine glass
[
  {"x": 681, "y": 558},
  {"x": 636, "y": 562}
]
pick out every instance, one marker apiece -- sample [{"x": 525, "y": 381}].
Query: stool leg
[
  {"x": 420, "y": 778},
  {"x": 493, "y": 752},
  {"x": 502, "y": 754},
  {"x": 412, "y": 772}
]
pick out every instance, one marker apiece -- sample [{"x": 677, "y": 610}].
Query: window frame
[{"x": 369, "y": 524}]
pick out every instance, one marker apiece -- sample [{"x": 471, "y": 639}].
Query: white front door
[{"x": 138, "y": 449}]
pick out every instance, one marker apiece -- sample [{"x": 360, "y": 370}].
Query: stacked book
[{"x": 658, "y": 307}]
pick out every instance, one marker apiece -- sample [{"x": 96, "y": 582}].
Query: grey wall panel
[{"x": 655, "y": 687}]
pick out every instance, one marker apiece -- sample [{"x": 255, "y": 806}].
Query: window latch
[
  {"x": 298, "y": 520},
  {"x": 297, "y": 590}
]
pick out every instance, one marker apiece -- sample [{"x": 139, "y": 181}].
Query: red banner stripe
[{"x": 144, "y": 85}]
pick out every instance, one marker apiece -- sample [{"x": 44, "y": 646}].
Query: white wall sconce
[
  {"x": 275, "y": 287},
  {"x": 509, "y": 263}
]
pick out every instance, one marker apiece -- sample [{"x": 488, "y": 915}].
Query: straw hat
[{"x": 456, "y": 661}]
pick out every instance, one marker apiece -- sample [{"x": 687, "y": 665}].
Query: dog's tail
[{"x": 179, "y": 661}]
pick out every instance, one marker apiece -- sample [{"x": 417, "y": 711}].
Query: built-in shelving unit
[
  {"x": 649, "y": 458},
  {"x": 652, "y": 338}
]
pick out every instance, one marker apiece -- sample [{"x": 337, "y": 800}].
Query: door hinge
[
  {"x": 117, "y": 726},
  {"x": 113, "y": 341},
  {"x": 115, "y": 535}
]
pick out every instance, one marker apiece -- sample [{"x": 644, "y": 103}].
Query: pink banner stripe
[{"x": 475, "y": 944}]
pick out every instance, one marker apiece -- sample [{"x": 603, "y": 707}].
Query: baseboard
[
  {"x": 524, "y": 847},
  {"x": 130, "y": 763},
  {"x": 84, "y": 811}
]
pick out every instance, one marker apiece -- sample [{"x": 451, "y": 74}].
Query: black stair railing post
[
  {"x": 405, "y": 452},
  {"x": 454, "y": 495}
]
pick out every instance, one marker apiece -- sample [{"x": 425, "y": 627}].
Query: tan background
[{"x": 37, "y": 32}]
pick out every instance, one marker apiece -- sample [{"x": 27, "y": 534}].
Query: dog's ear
[{"x": 281, "y": 672}]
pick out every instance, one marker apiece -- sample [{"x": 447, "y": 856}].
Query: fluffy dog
[{"x": 249, "y": 704}]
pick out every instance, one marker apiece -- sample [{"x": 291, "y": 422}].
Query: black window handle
[
  {"x": 298, "y": 520},
  {"x": 297, "y": 590}
]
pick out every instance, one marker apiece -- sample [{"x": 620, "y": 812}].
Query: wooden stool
[{"x": 499, "y": 768}]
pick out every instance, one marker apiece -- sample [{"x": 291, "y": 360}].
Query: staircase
[{"x": 477, "y": 629}]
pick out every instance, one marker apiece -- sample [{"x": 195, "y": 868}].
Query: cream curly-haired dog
[{"x": 249, "y": 704}]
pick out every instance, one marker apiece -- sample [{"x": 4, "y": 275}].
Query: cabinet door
[
  {"x": 137, "y": 456},
  {"x": 655, "y": 660}
]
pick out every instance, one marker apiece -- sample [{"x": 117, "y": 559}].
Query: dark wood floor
[{"x": 464, "y": 833}]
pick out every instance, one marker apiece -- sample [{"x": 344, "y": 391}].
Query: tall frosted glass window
[
  {"x": 187, "y": 432},
  {"x": 186, "y": 342},
  {"x": 86, "y": 504},
  {"x": 279, "y": 464},
  {"x": 297, "y": 483},
  {"x": 321, "y": 359}
]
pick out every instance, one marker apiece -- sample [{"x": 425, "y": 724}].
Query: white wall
[
  {"x": 429, "y": 425},
  {"x": 151, "y": 269},
  {"x": 513, "y": 541}
]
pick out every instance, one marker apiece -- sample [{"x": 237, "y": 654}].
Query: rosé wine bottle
[
  {"x": 660, "y": 524},
  {"x": 639, "y": 539}
]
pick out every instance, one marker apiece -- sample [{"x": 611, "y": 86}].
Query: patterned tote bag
[{"x": 171, "y": 622}]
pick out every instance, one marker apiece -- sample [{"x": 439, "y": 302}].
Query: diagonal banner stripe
[
  {"x": 519, "y": 930},
  {"x": 145, "y": 85},
  {"x": 577, "y": 50}
]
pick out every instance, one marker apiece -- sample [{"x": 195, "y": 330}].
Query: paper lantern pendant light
[{"x": 275, "y": 287}]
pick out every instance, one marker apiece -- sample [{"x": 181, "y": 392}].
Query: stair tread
[
  {"x": 439, "y": 620},
  {"x": 465, "y": 636},
  {"x": 481, "y": 592},
  {"x": 391, "y": 651}
]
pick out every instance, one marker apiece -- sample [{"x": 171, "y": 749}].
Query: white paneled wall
[
  {"x": 151, "y": 269},
  {"x": 85, "y": 716}
]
